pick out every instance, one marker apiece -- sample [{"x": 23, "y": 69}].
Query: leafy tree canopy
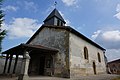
[{"x": 2, "y": 32}]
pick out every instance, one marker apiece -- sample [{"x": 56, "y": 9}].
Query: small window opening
[
  {"x": 58, "y": 22},
  {"x": 99, "y": 59},
  {"x": 85, "y": 53}
]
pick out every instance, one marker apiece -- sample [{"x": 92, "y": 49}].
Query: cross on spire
[{"x": 55, "y": 3}]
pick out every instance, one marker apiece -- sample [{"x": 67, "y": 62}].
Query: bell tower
[{"x": 54, "y": 18}]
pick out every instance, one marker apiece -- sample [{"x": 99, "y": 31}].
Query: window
[
  {"x": 61, "y": 23},
  {"x": 99, "y": 59},
  {"x": 85, "y": 53},
  {"x": 58, "y": 22}
]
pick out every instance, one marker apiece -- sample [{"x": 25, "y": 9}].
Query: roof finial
[{"x": 55, "y": 3}]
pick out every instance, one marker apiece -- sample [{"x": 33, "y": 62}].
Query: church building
[{"x": 57, "y": 50}]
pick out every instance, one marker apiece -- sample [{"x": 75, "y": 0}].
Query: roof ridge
[{"x": 68, "y": 28}]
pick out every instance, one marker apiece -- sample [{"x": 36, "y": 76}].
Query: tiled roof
[
  {"x": 68, "y": 28},
  {"x": 115, "y": 61},
  {"x": 22, "y": 47}
]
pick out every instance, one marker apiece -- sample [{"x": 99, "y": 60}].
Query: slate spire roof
[{"x": 55, "y": 13}]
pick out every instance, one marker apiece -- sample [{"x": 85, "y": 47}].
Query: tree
[{"x": 2, "y": 32}]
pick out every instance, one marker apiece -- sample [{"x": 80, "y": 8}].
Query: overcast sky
[{"x": 99, "y": 20}]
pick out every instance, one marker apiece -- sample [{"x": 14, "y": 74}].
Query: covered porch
[{"x": 41, "y": 60}]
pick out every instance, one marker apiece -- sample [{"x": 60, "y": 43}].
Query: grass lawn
[{"x": 117, "y": 78}]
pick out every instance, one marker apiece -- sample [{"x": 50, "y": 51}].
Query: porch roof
[{"x": 22, "y": 47}]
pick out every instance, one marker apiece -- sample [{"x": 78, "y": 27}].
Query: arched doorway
[{"x": 94, "y": 67}]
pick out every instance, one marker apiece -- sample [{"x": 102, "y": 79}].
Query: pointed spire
[{"x": 54, "y": 15}]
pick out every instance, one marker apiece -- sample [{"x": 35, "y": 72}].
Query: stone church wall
[
  {"x": 81, "y": 66},
  {"x": 56, "y": 39}
]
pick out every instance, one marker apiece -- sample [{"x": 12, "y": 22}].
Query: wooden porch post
[
  {"x": 16, "y": 60},
  {"x": 5, "y": 63},
  {"x": 11, "y": 56}
]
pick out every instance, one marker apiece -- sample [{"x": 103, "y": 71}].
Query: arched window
[
  {"x": 85, "y": 53},
  {"x": 99, "y": 59},
  {"x": 58, "y": 23},
  {"x": 61, "y": 23}
]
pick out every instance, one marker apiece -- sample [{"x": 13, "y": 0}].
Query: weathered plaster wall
[
  {"x": 80, "y": 66},
  {"x": 18, "y": 67},
  {"x": 58, "y": 39}
]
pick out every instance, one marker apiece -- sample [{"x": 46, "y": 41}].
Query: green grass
[{"x": 117, "y": 78}]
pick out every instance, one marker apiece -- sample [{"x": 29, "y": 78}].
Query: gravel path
[
  {"x": 95, "y": 77},
  {"x": 98, "y": 77}
]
